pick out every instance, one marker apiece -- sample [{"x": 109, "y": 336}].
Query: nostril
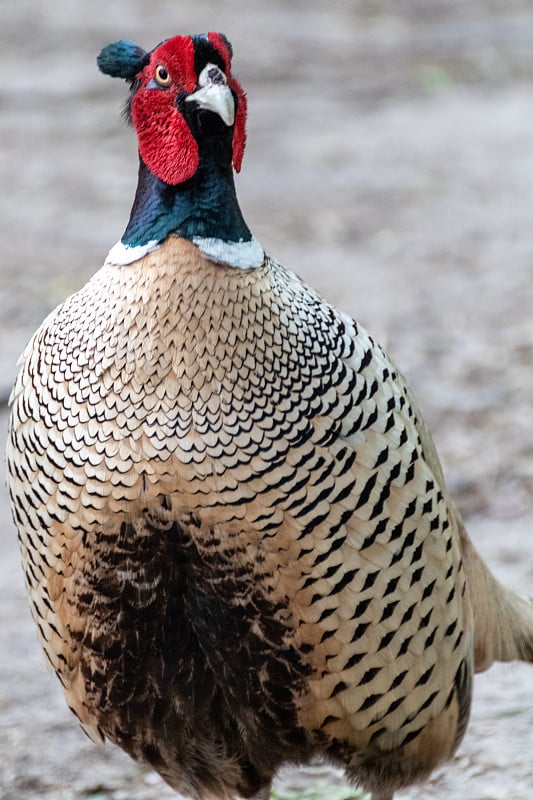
[
  {"x": 211, "y": 75},
  {"x": 215, "y": 75}
]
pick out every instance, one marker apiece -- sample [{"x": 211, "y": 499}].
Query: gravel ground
[{"x": 390, "y": 163}]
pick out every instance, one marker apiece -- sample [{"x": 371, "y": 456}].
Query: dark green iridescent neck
[{"x": 205, "y": 206}]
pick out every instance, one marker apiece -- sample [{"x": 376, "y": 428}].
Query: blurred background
[{"x": 390, "y": 164}]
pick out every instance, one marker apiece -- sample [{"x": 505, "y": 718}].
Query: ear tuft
[{"x": 122, "y": 59}]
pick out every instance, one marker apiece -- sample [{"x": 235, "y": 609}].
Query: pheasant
[{"x": 238, "y": 543}]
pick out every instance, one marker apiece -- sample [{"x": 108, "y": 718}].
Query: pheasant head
[{"x": 189, "y": 113}]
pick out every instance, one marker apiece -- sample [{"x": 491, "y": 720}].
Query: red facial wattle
[
  {"x": 166, "y": 143},
  {"x": 239, "y": 131}
]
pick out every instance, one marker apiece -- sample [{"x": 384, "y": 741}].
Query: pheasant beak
[{"x": 214, "y": 94}]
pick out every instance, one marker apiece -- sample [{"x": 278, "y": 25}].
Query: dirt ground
[{"x": 390, "y": 163}]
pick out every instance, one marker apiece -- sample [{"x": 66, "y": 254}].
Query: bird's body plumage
[{"x": 238, "y": 543}]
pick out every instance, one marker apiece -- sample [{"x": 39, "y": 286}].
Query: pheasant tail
[{"x": 503, "y": 621}]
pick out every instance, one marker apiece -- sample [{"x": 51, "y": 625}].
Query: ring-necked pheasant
[{"x": 238, "y": 543}]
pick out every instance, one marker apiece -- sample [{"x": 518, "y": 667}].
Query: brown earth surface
[{"x": 390, "y": 163}]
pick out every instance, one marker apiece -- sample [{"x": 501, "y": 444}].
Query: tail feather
[{"x": 503, "y": 621}]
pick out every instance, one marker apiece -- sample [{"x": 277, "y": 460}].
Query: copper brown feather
[{"x": 237, "y": 540}]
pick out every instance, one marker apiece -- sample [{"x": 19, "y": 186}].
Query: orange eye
[{"x": 162, "y": 75}]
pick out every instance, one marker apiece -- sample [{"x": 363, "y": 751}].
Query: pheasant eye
[{"x": 162, "y": 75}]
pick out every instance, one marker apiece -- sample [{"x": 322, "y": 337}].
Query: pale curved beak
[{"x": 216, "y": 97}]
